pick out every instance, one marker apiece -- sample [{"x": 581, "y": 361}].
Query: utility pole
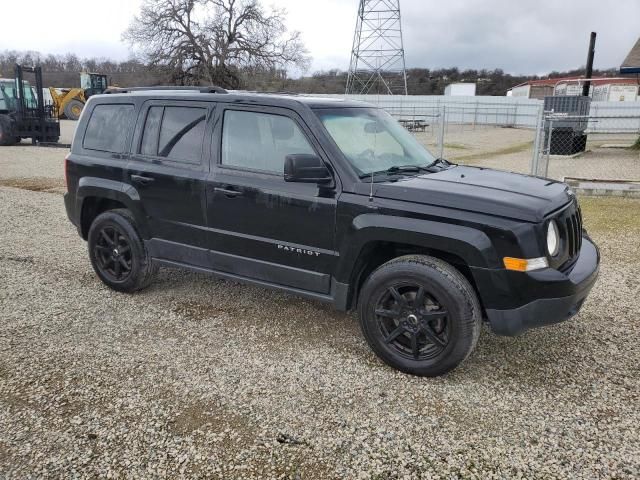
[
  {"x": 377, "y": 57},
  {"x": 589, "y": 72}
]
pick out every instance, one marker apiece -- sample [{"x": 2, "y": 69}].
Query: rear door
[
  {"x": 167, "y": 169},
  {"x": 261, "y": 226}
]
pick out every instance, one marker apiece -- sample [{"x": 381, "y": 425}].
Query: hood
[{"x": 482, "y": 190}]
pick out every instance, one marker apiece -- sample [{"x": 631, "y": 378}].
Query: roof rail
[{"x": 207, "y": 89}]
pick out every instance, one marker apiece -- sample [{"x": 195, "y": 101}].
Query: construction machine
[
  {"x": 70, "y": 101},
  {"x": 23, "y": 112}
]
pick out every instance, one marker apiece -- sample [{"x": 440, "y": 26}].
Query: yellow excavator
[{"x": 69, "y": 102}]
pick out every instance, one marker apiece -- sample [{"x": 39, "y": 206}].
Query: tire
[
  {"x": 117, "y": 252},
  {"x": 419, "y": 315},
  {"x": 6, "y": 128},
  {"x": 73, "y": 109}
]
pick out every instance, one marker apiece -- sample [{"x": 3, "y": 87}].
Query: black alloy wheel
[
  {"x": 118, "y": 254},
  {"x": 412, "y": 321},
  {"x": 113, "y": 253},
  {"x": 420, "y": 315}
]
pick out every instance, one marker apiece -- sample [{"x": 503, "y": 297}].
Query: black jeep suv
[{"x": 331, "y": 200}]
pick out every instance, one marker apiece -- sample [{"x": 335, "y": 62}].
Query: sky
[{"x": 520, "y": 37}]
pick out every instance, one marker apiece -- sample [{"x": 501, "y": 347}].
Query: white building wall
[{"x": 521, "y": 91}]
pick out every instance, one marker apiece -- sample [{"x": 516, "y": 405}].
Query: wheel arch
[
  {"x": 379, "y": 238},
  {"x": 98, "y": 195}
]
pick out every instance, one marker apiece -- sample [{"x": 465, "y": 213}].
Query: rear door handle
[
  {"x": 141, "y": 180},
  {"x": 228, "y": 192}
]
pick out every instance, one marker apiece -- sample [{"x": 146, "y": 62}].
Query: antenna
[
  {"x": 377, "y": 57},
  {"x": 373, "y": 155}
]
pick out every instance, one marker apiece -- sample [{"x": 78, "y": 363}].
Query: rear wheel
[
  {"x": 73, "y": 109},
  {"x": 419, "y": 315},
  {"x": 117, "y": 252}
]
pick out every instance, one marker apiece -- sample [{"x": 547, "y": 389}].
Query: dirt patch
[
  {"x": 36, "y": 184},
  {"x": 208, "y": 416}
]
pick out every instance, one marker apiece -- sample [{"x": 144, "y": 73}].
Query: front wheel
[
  {"x": 117, "y": 252},
  {"x": 73, "y": 109},
  {"x": 420, "y": 315}
]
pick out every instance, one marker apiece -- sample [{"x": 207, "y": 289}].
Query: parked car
[{"x": 330, "y": 200}]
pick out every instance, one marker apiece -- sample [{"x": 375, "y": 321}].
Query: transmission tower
[{"x": 377, "y": 57}]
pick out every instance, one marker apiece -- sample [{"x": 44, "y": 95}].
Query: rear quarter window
[
  {"x": 174, "y": 132},
  {"x": 108, "y": 127}
]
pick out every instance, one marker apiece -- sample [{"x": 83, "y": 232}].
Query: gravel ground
[{"x": 202, "y": 378}]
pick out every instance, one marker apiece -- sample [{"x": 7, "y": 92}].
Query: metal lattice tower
[{"x": 377, "y": 57}]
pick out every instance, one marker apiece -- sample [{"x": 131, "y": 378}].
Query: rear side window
[
  {"x": 108, "y": 128},
  {"x": 175, "y": 133},
  {"x": 260, "y": 141}
]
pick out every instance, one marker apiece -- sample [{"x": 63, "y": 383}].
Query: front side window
[
  {"x": 372, "y": 141},
  {"x": 175, "y": 133},
  {"x": 108, "y": 127},
  {"x": 261, "y": 141}
]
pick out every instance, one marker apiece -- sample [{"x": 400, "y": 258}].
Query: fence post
[
  {"x": 536, "y": 141},
  {"x": 443, "y": 112},
  {"x": 546, "y": 167}
]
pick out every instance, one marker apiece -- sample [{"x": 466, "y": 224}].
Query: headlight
[{"x": 553, "y": 239}]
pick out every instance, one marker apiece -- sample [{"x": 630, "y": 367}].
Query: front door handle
[
  {"x": 228, "y": 192},
  {"x": 141, "y": 180}
]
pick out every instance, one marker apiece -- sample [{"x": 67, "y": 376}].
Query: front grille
[
  {"x": 569, "y": 222},
  {"x": 574, "y": 232}
]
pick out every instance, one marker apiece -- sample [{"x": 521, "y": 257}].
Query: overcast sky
[{"x": 528, "y": 37}]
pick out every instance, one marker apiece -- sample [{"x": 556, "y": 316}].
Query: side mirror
[{"x": 305, "y": 168}]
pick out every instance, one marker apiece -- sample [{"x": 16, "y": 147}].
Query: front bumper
[{"x": 571, "y": 288}]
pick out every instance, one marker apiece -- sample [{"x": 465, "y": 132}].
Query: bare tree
[{"x": 214, "y": 40}]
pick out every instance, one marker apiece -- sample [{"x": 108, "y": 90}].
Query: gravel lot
[{"x": 202, "y": 378}]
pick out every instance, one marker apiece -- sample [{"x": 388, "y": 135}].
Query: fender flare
[
  {"x": 113, "y": 190},
  {"x": 473, "y": 246}
]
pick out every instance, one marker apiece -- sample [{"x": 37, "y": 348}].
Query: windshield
[
  {"x": 8, "y": 95},
  {"x": 373, "y": 141}
]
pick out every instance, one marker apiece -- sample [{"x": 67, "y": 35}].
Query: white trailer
[
  {"x": 460, "y": 90},
  {"x": 615, "y": 93}
]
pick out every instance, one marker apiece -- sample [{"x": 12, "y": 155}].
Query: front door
[
  {"x": 262, "y": 227},
  {"x": 167, "y": 169}
]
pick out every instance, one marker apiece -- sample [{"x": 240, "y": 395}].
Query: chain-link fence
[
  {"x": 527, "y": 139},
  {"x": 495, "y": 136},
  {"x": 589, "y": 147},
  {"x": 518, "y": 135}
]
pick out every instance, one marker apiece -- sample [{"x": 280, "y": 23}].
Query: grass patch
[
  {"x": 611, "y": 215},
  {"x": 517, "y": 148},
  {"x": 456, "y": 146},
  {"x": 636, "y": 146}
]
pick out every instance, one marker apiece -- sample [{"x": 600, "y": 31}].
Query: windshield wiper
[
  {"x": 440, "y": 161},
  {"x": 408, "y": 169},
  {"x": 395, "y": 169}
]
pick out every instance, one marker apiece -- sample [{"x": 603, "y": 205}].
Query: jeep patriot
[{"x": 327, "y": 199}]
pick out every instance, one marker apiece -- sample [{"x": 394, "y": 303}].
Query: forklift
[{"x": 23, "y": 113}]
